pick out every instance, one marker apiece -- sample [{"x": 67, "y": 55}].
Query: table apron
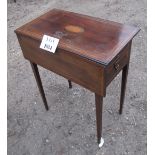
[{"x": 80, "y": 70}]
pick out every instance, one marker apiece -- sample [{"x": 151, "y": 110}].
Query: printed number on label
[{"x": 49, "y": 43}]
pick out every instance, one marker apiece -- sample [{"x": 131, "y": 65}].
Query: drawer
[{"x": 117, "y": 64}]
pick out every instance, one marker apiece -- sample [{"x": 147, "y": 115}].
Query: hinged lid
[{"x": 96, "y": 39}]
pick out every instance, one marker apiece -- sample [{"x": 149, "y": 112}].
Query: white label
[{"x": 49, "y": 43}]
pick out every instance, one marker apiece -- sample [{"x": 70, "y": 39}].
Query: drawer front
[
  {"x": 117, "y": 64},
  {"x": 69, "y": 65}
]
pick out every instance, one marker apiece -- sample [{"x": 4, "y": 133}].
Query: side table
[{"x": 91, "y": 52}]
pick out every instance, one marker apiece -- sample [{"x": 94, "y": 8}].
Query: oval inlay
[{"x": 74, "y": 28}]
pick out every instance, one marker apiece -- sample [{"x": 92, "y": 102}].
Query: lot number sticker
[{"x": 49, "y": 43}]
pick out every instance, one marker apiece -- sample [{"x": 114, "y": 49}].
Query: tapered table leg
[
  {"x": 39, "y": 83},
  {"x": 99, "y": 102},
  {"x": 123, "y": 87},
  {"x": 70, "y": 83}
]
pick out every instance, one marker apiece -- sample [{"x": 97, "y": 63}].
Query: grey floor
[{"x": 68, "y": 128}]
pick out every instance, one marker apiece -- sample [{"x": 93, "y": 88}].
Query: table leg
[
  {"x": 123, "y": 87},
  {"x": 39, "y": 83},
  {"x": 70, "y": 83},
  {"x": 99, "y": 102}
]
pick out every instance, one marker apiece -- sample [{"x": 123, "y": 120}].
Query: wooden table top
[{"x": 93, "y": 38}]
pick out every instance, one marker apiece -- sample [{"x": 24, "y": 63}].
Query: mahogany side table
[{"x": 91, "y": 52}]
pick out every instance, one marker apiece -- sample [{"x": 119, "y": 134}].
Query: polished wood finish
[
  {"x": 100, "y": 41},
  {"x": 91, "y": 52},
  {"x": 80, "y": 70},
  {"x": 123, "y": 86},
  {"x": 99, "y": 103},
  {"x": 117, "y": 64},
  {"x": 39, "y": 83}
]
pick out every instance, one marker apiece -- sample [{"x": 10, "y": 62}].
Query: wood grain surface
[{"x": 96, "y": 39}]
